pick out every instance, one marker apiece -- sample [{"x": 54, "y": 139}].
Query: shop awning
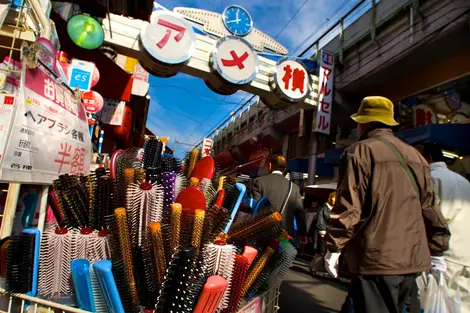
[
  {"x": 301, "y": 166},
  {"x": 114, "y": 82},
  {"x": 452, "y": 137}
]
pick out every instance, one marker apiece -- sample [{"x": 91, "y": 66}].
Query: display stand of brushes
[{"x": 156, "y": 235}]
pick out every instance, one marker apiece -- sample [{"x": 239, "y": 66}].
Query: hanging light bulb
[{"x": 85, "y": 31}]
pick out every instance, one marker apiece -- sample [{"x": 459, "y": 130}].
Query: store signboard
[
  {"x": 291, "y": 80},
  {"x": 325, "y": 94},
  {"x": 81, "y": 74},
  {"x": 423, "y": 115},
  {"x": 168, "y": 38},
  {"x": 112, "y": 112},
  {"x": 255, "y": 306},
  {"x": 206, "y": 147},
  {"x": 49, "y": 135},
  {"x": 235, "y": 60}
]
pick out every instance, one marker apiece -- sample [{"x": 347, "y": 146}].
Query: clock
[{"x": 237, "y": 20}]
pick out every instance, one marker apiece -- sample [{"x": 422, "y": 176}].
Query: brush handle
[
  {"x": 242, "y": 191},
  {"x": 104, "y": 274},
  {"x": 221, "y": 183},
  {"x": 211, "y": 295},
  {"x": 82, "y": 283},
  {"x": 257, "y": 269},
  {"x": 240, "y": 270},
  {"x": 125, "y": 244},
  {"x": 197, "y": 228},
  {"x": 158, "y": 250},
  {"x": 176, "y": 211}
]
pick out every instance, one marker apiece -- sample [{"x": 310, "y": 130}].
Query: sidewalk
[{"x": 300, "y": 292}]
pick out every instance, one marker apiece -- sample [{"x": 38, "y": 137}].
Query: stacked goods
[{"x": 154, "y": 234}]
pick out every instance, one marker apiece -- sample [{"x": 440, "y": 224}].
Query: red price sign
[
  {"x": 254, "y": 307},
  {"x": 92, "y": 101}
]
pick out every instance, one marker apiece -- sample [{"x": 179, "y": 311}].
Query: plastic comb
[{"x": 211, "y": 295}]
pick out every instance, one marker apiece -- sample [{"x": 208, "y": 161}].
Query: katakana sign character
[
  {"x": 49, "y": 89},
  {"x": 61, "y": 126},
  {"x": 324, "y": 86},
  {"x": 43, "y": 119},
  {"x": 78, "y": 161},
  {"x": 325, "y": 107},
  {"x": 53, "y": 123},
  {"x": 323, "y": 124},
  {"x": 287, "y": 76},
  {"x": 64, "y": 154},
  {"x": 74, "y": 134},
  {"x": 29, "y": 113},
  {"x": 180, "y": 29},
  {"x": 236, "y": 61},
  {"x": 80, "y": 136},
  {"x": 207, "y": 151},
  {"x": 67, "y": 131},
  {"x": 298, "y": 80}
]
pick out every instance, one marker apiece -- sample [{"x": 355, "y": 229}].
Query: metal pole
[{"x": 312, "y": 158}]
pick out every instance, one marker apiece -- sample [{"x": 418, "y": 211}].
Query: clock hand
[
  {"x": 232, "y": 21},
  {"x": 238, "y": 12}
]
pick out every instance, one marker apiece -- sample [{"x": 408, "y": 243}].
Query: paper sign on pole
[
  {"x": 49, "y": 135},
  {"x": 256, "y": 306},
  {"x": 206, "y": 147},
  {"x": 7, "y": 111},
  {"x": 325, "y": 96},
  {"x": 112, "y": 112},
  {"x": 81, "y": 74}
]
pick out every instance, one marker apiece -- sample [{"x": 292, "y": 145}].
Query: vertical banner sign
[
  {"x": 206, "y": 147},
  {"x": 81, "y": 74},
  {"x": 50, "y": 133},
  {"x": 325, "y": 95},
  {"x": 112, "y": 112}
]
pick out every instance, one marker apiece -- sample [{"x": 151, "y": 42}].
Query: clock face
[{"x": 237, "y": 20}]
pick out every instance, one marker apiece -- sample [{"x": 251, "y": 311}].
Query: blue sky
[{"x": 183, "y": 107}]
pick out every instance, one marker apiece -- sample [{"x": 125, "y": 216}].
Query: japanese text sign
[
  {"x": 168, "y": 38},
  {"x": 235, "y": 60},
  {"x": 112, "y": 112},
  {"x": 256, "y": 306},
  {"x": 7, "y": 110},
  {"x": 423, "y": 115},
  {"x": 292, "y": 80},
  {"x": 206, "y": 147},
  {"x": 325, "y": 93},
  {"x": 50, "y": 133},
  {"x": 81, "y": 75}
]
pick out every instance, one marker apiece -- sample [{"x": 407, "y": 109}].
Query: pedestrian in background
[
  {"x": 453, "y": 199},
  {"x": 318, "y": 231},
  {"x": 388, "y": 226},
  {"x": 284, "y": 196}
]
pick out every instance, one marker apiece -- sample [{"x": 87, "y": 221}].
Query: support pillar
[
  {"x": 312, "y": 158},
  {"x": 285, "y": 145}
]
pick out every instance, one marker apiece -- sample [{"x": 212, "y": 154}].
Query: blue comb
[
  {"x": 108, "y": 286},
  {"x": 82, "y": 282},
  {"x": 261, "y": 203},
  {"x": 242, "y": 189},
  {"x": 30, "y": 202},
  {"x": 37, "y": 242}
]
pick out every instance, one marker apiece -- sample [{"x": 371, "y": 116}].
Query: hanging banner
[
  {"x": 325, "y": 95},
  {"x": 207, "y": 147},
  {"x": 112, "y": 112},
  {"x": 50, "y": 133}
]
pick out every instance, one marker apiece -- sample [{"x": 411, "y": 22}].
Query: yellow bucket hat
[{"x": 375, "y": 109}]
